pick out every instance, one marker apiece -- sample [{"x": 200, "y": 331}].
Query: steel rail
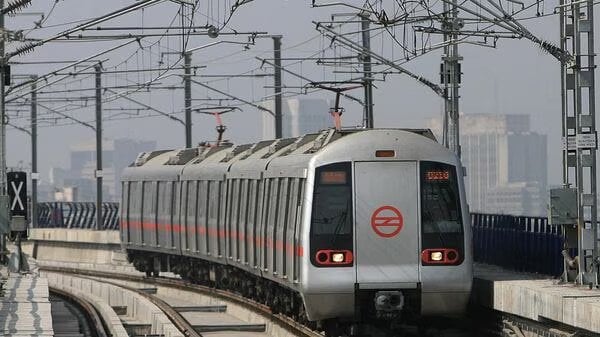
[{"x": 89, "y": 310}]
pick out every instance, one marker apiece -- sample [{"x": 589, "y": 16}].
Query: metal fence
[
  {"x": 519, "y": 243},
  {"x": 77, "y": 215}
]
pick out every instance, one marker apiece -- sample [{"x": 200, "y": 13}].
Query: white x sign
[{"x": 17, "y": 199}]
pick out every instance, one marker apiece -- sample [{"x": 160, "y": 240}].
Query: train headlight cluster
[
  {"x": 339, "y": 258},
  {"x": 440, "y": 256}
]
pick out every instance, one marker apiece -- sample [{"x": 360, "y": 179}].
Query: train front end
[{"x": 389, "y": 232}]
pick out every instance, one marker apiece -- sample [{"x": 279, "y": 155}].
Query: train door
[{"x": 387, "y": 233}]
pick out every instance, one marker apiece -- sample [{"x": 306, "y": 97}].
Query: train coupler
[{"x": 388, "y": 304}]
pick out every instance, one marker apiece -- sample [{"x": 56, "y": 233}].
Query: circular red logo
[{"x": 387, "y": 221}]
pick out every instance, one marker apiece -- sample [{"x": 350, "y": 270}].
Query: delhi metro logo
[{"x": 387, "y": 221}]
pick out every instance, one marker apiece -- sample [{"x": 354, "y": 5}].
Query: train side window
[
  {"x": 158, "y": 209},
  {"x": 146, "y": 210},
  {"x": 279, "y": 196},
  {"x": 191, "y": 212},
  {"x": 212, "y": 216},
  {"x": 284, "y": 225},
  {"x": 265, "y": 219},
  {"x": 169, "y": 213},
  {"x": 235, "y": 220},
  {"x": 125, "y": 211},
  {"x": 183, "y": 215},
  {"x": 203, "y": 213},
  {"x": 243, "y": 222},
  {"x": 176, "y": 212},
  {"x": 133, "y": 204},
  {"x": 232, "y": 209},
  {"x": 298, "y": 248},
  {"x": 222, "y": 208},
  {"x": 253, "y": 219}
]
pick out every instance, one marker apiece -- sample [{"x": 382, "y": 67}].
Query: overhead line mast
[{"x": 450, "y": 75}]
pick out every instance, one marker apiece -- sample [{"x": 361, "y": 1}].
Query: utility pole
[
  {"x": 4, "y": 211},
  {"x": 580, "y": 142},
  {"x": 367, "y": 76},
  {"x": 278, "y": 102},
  {"x": 450, "y": 76},
  {"x": 187, "y": 83},
  {"x": 34, "y": 169},
  {"x": 99, "y": 220}
]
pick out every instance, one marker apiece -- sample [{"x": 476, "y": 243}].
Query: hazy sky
[{"x": 515, "y": 78}]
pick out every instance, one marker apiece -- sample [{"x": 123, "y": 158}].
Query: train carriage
[{"x": 335, "y": 227}]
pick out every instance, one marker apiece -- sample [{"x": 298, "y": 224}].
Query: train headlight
[
  {"x": 337, "y": 257},
  {"x": 437, "y": 256},
  {"x": 440, "y": 256},
  {"x": 333, "y": 258}
]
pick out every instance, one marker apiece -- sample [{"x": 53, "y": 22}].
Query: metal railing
[
  {"x": 77, "y": 215},
  {"x": 526, "y": 244}
]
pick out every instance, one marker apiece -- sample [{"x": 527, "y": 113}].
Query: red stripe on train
[{"x": 213, "y": 232}]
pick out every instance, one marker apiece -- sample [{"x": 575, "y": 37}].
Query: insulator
[
  {"x": 24, "y": 49},
  {"x": 13, "y": 6},
  {"x": 556, "y": 51}
]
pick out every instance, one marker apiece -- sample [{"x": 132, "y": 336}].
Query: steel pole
[
  {"x": 450, "y": 76},
  {"x": 580, "y": 141},
  {"x": 34, "y": 168},
  {"x": 278, "y": 102},
  {"x": 99, "y": 174},
  {"x": 4, "y": 227},
  {"x": 367, "y": 76},
  {"x": 188, "y": 98}
]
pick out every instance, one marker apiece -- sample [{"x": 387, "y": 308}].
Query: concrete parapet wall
[
  {"x": 79, "y": 246},
  {"x": 139, "y": 309},
  {"x": 113, "y": 322},
  {"x": 537, "y": 299},
  {"x": 104, "y": 237}
]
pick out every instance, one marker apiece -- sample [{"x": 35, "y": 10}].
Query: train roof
[{"x": 279, "y": 157}]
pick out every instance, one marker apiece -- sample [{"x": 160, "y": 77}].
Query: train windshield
[
  {"x": 331, "y": 219},
  {"x": 332, "y": 200},
  {"x": 440, "y": 199}
]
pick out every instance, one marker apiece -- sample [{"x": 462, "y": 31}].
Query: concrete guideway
[
  {"x": 529, "y": 296},
  {"x": 106, "y": 297},
  {"x": 78, "y": 249},
  {"x": 537, "y": 298}
]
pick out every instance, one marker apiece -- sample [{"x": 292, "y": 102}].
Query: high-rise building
[
  {"x": 116, "y": 155},
  {"x": 505, "y": 163},
  {"x": 299, "y": 116}
]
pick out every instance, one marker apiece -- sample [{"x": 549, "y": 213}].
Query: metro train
[{"x": 335, "y": 228}]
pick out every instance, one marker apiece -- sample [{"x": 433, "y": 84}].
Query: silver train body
[{"x": 355, "y": 223}]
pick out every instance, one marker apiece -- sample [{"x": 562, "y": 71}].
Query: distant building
[
  {"x": 505, "y": 163},
  {"x": 116, "y": 155},
  {"x": 522, "y": 198},
  {"x": 299, "y": 116}
]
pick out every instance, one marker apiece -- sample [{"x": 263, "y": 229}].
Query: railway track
[
  {"x": 74, "y": 317},
  {"x": 178, "y": 300},
  {"x": 193, "y": 319}
]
